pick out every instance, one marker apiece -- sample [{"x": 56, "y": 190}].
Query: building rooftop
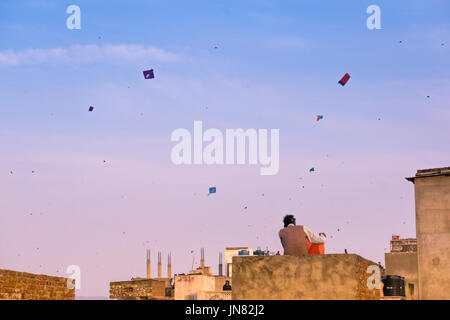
[
  {"x": 403, "y": 245},
  {"x": 445, "y": 171}
]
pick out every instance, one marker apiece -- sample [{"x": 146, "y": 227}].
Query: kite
[
  {"x": 344, "y": 79},
  {"x": 311, "y": 170},
  {"x": 148, "y": 74},
  {"x": 319, "y": 117},
  {"x": 91, "y": 108},
  {"x": 428, "y": 96},
  {"x": 212, "y": 190}
]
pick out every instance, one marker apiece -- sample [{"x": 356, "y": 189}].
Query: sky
[{"x": 96, "y": 189}]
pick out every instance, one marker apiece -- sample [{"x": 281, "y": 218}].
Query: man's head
[{"x": 288, "y": 219}]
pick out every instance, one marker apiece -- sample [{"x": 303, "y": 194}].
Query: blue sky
[{"x": 276, "y": 65}]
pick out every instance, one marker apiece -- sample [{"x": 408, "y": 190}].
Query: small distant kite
[
  {"x": 319, "y": 117},
  {"x": 311, "y": 170},
  {"x": 212, "y": 190},
  {"x": 91, "y": 108},
  {"x": 428, "y": 96},
  {"x": 344, "y": 79},
  {"x": 148, "y": 74}
]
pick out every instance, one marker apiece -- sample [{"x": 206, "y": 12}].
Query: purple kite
[{"x": 148, "y": 74}]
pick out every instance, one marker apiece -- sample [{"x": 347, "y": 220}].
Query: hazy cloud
[
  {"x": 86, "y": 54},
  {"x": 288, "y": 41}
]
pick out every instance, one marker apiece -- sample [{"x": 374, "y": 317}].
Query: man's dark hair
[{"x": 288, "y": 219}]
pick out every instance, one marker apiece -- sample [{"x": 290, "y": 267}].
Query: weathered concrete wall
[
  {"x": 433, "y": 236},
  {"x": 404, "y": 264},
  {"x": 138, "y": 289},
  {"x": 306, "y": 277},
  {"x": 199, "y": 286},
  {"x": 190, "y": 287},
  {"x": 16, "y": 285}
]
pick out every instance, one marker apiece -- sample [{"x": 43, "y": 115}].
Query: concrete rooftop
[{"x": 445, "y": 171}]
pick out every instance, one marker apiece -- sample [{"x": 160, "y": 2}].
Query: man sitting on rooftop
[{"x": 293, "y": 237}]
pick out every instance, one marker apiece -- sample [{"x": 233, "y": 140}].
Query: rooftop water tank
[{"x": 393, "y": 286}]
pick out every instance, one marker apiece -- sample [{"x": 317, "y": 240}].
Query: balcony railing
[{"x": 217, "y": 295}]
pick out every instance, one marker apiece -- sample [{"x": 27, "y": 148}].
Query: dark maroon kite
[{"x": 344, "y": 79}]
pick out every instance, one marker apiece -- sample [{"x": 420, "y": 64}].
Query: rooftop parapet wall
[
  {"x": 15, "y": 285},
  {"x": 306, "y": 277},
  {"x": 430, "y": 173},
  {"x": 137, "y": 289}
]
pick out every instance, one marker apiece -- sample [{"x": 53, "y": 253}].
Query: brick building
[{"x": 15, "y": 285}]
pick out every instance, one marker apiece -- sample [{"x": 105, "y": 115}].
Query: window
[{"x": 411, "y": 289}]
